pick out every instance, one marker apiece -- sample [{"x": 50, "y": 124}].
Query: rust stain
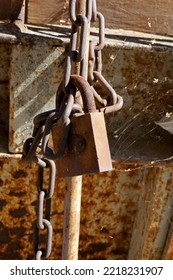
[
  {"x": 169, "y": 248},
  {"x": 108, "y": 210},
  {"x": 153, "y": 216},
  {"x": 137, "y": 75},
  {"x": 107, "y": 216}
]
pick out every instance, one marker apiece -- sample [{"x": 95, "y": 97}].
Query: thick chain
[
  {"x": 107, "y": 100},
  {"x": 36, "y": 148},
  {"x": 43, "y": 223},
  {"x": 80, "y": 25},
  {"x": 79, "y": 22},
  {"x": 95, "y": 77}
]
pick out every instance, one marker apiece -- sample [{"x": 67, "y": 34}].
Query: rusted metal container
[{"x": 125, "y": 213}]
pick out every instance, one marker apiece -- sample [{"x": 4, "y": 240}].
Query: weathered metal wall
[
  {"x": 140, "y": 70},
  {"x": 125, "y": 213},
  {"x": 34, "y": 77},
  {"x": 154, "y": 214},
  {"x": 111, "y": 202},
  {"x": 109, "y": 205}
]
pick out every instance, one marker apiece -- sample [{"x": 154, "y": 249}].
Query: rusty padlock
[{"x": 87, "y": 150}]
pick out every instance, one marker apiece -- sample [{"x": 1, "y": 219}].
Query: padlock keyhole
[{"x": 77, "y": 144}]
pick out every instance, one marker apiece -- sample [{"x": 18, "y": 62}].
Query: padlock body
[{"x": 87, "y": 148}]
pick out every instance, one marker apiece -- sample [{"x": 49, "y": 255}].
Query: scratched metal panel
[{"x": 35, "y": 72}]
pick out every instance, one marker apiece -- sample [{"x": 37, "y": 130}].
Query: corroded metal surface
[
  {"x": 16, "y": 209},
  {"x": 168, "y": 250},
  {"x": 143, "y": 76},
  {"x": 154, "y": 214},
  {"x": 108, "y": 210},
  {"x": 109, "y": 205},
  {"x": 34, "y": 78},
  {"x": 141, "y": 71}
]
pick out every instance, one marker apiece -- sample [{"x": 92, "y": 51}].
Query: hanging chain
[
  {"x": 44, "y": 195},
  {"x": 43, "y": 223},
  {"x": 107, "y": 99},
  {"x": 114, "y": 102},
  {"x": 37, "y": 148}
]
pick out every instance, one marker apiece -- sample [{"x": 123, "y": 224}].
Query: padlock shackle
[{"x": 86, "y": 92}]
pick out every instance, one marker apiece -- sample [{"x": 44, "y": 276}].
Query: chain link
[
  {"x": 75, "y": 54},
  {"x": 44, "y": 197}
]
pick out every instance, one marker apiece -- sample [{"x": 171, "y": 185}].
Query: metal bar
[
  {"x": 71, "y": 228},
  {"x": 73, "y": 190}
]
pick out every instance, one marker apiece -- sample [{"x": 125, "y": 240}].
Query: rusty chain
[
  {"x": 107, "y": 99},
  {"x": 36, "y": 148},
  {"x": 43, "y": 223},
  {"x": 114, "y": 102},
  {"x": 44, "y": 195}
]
